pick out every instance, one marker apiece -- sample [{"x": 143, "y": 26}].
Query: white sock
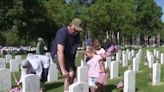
[{"x": 66, "y": 91}]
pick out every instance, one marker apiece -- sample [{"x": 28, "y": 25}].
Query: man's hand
[{"x": 65, "y": 73}]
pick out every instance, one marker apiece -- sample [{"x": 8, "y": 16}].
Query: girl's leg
[{"x": 100, "y": 88}]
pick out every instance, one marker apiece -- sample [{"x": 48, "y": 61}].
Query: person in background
[
  {"x": 63, "y": 50},
  {"x": 112, "y": 50},
  {"x": 35, "y": 64},
  {"x": 40, "y": 46},
  {"x": 96, "y": 73},
  {"x": 88, "y": 42}
]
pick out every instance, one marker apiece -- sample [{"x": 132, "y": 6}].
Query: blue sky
[{"x": 161, "y": 3}]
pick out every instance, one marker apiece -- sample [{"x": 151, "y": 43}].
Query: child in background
[
  {"x": 97, "y": 47},
  {"x": 96, "y": 73},
  {"x": 112, "y": 50},
  {"x": 99, "y": 51}
]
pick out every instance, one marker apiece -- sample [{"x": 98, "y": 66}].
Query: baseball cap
[
  {"x": 25, "y": 63},
  {"x": 77, "y": 23}
]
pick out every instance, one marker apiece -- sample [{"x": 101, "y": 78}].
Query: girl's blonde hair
[{"x": 88, "y": 49}]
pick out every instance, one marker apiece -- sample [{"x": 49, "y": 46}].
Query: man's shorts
[{"x": 69, "y": 65}]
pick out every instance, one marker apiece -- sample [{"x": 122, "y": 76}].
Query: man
[{"x": 63, "y": 50}]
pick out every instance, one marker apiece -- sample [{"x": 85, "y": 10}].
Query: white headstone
[
  {"x": 162, "y": 58},
  {"x": 155, "y": 51},
  {"x": 158, "y": 54},
  {"x": 8, "y": 58},
  {"x": 124, "y": 59},
  {"x": 83, "y": 63},
  {"x": 5, "y": 80},
  {"x": 133, "y": 52},
  {"x": 129, "y": 55},
  {"x": 118, "y": 56},
  {"x": 52, "y": 73},
  {"x": 139, "y": 55},
  {"x": 82, "y": 73},
  {"x": 149, "y": 55},
  {"x": 48, "y": 54},
  {"x": 14, "y": 65},
  {"x": 77, "y": 53},
  {"x": 18, "y": 57},
  {"x": 140, "y": 51},
  {"x": 79, "y": 87},
  {"x": 114, "y": 70},
  {"x": 129, "y": 81},
  {"x": 107, "y": 62},
  {"x": 156, "y": 74},
  {"x": 31, "y": 83},
  {"x": 151, "y": 61},
  {"x": 135, "y": 65},
  {"x": 127, "y": 50},
  {"x": 2, "y": 63},
  {"x": 147, "y": 52}
]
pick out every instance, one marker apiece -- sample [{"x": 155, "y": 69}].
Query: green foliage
[
  {"x": 11, "y": 38},
  {"x": 34, "y": 18},
  {"x": 148, "y": 16}
]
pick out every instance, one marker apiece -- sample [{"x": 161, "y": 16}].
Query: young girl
[
  {"x": 97, "y": 47},
  {"x": 96, "y": 74}
]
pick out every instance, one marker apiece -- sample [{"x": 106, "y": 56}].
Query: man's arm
[{"x": 60, "y": 54}]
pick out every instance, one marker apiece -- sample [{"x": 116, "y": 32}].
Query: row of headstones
[
  {"x": 15, "y": 50},
  {"x": 155, "y": 66},
  {"x": 80, "y": 75},
  {"x": 114, "y": 66},
  {"x": 156, "y": 70},
  {"x": 29, "y": 85},
  {"x": 152, "y": 56},
  {"x": 14, "y": 63},
  {"x": 31, "y": 82}
]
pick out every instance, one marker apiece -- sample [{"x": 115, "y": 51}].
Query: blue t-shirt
[{"x": 69, "y": 42}]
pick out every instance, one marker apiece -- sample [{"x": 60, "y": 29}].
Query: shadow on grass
[
  {"x": 109, "y": 88},
  {"x": 53, "y": 85}
]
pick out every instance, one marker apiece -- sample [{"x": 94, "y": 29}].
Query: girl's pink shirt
[{"x": 94, "y": 67}]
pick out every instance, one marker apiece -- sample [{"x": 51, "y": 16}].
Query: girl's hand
[{"x": 18, "y": 83}]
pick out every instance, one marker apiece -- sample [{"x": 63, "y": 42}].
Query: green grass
[{"x": 143, "y": 81}]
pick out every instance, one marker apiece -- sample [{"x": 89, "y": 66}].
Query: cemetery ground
[{"x": 143, "y": 78}]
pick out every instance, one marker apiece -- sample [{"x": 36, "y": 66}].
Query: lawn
[{"x": 143, "y": 80}]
